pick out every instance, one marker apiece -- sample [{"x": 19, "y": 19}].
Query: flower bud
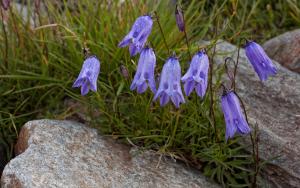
[
  {"x": 179, "y": 18},
  {"x": 124, "y": 72}
]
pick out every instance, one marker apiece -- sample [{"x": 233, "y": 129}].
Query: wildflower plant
[{"x": 197, "y": 78}]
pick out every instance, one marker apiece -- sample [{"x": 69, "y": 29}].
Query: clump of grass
[{"x": 44, "y": 57}]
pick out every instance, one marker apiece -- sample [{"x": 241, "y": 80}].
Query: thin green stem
[
  {"x": 211, "y": 111},
  {"x": 163, "y": 35},
  {"x": 235, "y": 67},
  {"x": 255, "y": 152},
  {"x": 175, "y": 127},
  {"x": 186, "y": 37},
  {"x": 15, "y": 26},
  {"x": 187, "y": 43}
]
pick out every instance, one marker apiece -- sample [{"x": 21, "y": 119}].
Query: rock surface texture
[
  {"x": 285, "y": 49},
  {"x": 275, "y": 107},
  {"x": 68, "y": 154}
]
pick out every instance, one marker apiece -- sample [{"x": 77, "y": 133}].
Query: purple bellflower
[
  {"x": 5, "y": 4},
  {"x": 138, "y": 35},
  {"x": 260, "y": 61},
  {"x": 145, "y": 72},
  {"x": 234, "y": 118},
  {"x": 169, "y": 86},
  {"x": 197, "y": 75},
  {"x": 87, "y": 78},
  {"x": 179, "y": 18}
]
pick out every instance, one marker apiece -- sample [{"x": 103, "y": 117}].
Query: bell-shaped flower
[
  {"x": 197, "y": 75},
  {"x": 138, "y": 35},
  {"x": 234, "y": 118},
  {"x": 87, "y": 78},
  {"x": 145, "y": 72},
  {"x": 260, "y": 61},
  {"x": 169, "y": 86}
]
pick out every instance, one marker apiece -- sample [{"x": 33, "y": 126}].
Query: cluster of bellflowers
[{"x": 169, "y": 86}]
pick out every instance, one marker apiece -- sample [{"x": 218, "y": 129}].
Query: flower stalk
[
  {"x": 179, "y": 15},
  {"x": 236, "y": 67},
  {"x": 161, "y": 31},
  {"x": 254, "y": 142},
  {"x": 211, "y": 109},
  {"x": 187, "y": 43}
]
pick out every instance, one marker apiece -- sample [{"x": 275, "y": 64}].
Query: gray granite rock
[
  {"x": 285, "y": 49},
  {"x": 275, "y": 107},
  {"x": 69, "y": 154}
]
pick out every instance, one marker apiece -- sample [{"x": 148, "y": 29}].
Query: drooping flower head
[
  {"x": 197, "y": 75},
  {"x": 87, "y": 78},
  {"x": 234, "y": 118},
  {"x": 138, "y": 35},
  {"x": 260, "y": 61},
  {"x": 179, "y": 18},
  {"x": 169, "y": 86},
  {"x": 145, "y": 72},
  {"x": 5, "y": 4}
]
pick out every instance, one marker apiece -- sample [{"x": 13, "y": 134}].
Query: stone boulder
[
  {"x": 285, "y": 49},
  {"x": 275, "y": 107},
  {"x": 69, "y": 154}
]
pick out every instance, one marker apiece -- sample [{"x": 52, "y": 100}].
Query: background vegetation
[{"x": 43, "y": 56}]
